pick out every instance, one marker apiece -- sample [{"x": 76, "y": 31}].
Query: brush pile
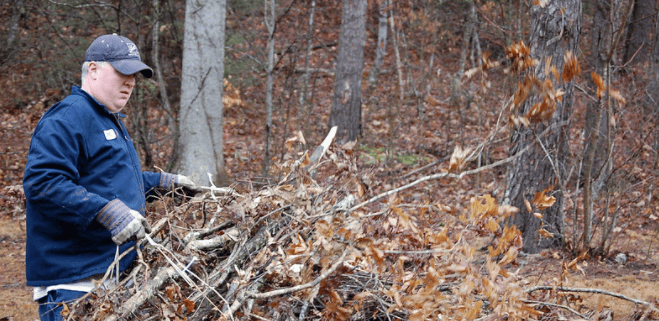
[{"x": 315, "y": 246}]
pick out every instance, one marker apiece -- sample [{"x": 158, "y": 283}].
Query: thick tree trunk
[
  {"x": 542, "y": 167},
  {"x": 608, "y": 18},
  {"x": 200, "y": 120},
  {"x": 346, "y": 105},
  {"x": 638, "y": 48}
]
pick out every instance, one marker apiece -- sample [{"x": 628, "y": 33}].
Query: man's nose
[{"x": 130, "y": 81}]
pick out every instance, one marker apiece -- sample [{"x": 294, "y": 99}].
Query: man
[{"x": 83, "y": 182}]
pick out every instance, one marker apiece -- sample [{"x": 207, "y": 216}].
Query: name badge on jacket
[{"x": 110, "y": 134}]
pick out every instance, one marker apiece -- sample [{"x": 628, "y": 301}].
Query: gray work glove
[
  {"x": 123, "y": 222},
  {"x": 187, "y": 183},
  {"x": 182, "y": 180}
]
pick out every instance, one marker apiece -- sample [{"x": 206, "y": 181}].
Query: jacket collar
[{"x": 76, "y": 90}]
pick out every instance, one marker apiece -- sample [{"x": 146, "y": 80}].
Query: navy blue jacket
[{"x": 80, "y": 159}]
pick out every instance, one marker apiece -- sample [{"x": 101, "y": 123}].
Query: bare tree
[
  {"x": 346, "y": 111},
  {"x": 200, "y": 120},
  {"x": 381, "y": 48},
  {"x": 555, "y": 30},
  {"x": 270, "y": 23}
]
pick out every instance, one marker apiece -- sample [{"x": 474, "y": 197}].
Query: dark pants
[{"x": 50, "y": 308}]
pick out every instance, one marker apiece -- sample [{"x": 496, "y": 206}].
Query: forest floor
[{"x": 636, "y": 277}]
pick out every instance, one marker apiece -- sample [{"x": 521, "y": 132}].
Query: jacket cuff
[
  {"x": 115, "y": 216},
  {"x": 167, "y": 180}
]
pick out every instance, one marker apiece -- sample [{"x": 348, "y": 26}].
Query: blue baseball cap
[{"x": 120, "y": 52}]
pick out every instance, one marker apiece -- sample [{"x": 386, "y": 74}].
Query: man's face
[{"x": 111, "y": 88}]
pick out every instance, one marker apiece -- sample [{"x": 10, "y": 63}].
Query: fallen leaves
[{"x": 459, "y": 158}]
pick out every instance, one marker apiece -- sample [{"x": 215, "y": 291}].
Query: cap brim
[{"x": 130, "y": 67}]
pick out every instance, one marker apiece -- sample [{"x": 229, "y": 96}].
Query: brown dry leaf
[
  {"x": 458, "y": 159},
  {"x": 493, "y": 268},
  {"x": 507, "y": 210},
  {"x": 324, "y": 229},
  {"x": 548, "y": 66},
  {"x": 474, "y": 311},
  {"x": 510, "y": 256},
  {"x": 492, "y": 225},
  {"x": 615, "y": 94},
  {"x": 554, "y": 72},
  {"x": 523, "y": 90},
  {"x": 360, "y": 189},
  {"x": 231, "y": 96},
  {"x": 471, "y": 72},
  {"x": 483, "y": 206},
  {"x": 298, "y": 246},
  {"x": 544, "y": 110},
  {"x": 538, "y": 215},
  {"x": 571, "y": 66},
  {"x": 599, "y": 82},
  {"x": 544, "y": 233},
  {"x": 520, "y": 121},
  {"x": 171, "y": 292},
  {"x": 189, "y": 306},
  {"x": 528, "y": 205},
  {"x": 65, "y": 310},
  {"x": 542, "y": 201},
  {"x": 541, "y": 3},
  {"x": 432, "y": 101}
]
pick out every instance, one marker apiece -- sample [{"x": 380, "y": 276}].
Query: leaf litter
[{"x": 305, "y": 248}]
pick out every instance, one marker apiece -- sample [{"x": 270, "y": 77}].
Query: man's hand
[
  {"x": 123, "y": 222},
  {"x": 185, "y": 181},
  {"x": 187, "y": 184}
]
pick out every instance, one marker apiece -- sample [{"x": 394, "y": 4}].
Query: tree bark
[
  {"x": 542, "y": 166},
  {"x": 346, "y": 111},
  {"x": 381, "y": 48},
  {"x": 608, "y": 16},
  {"x": 200, "y": 119},
  {"x": 638, "y": 49},
  {"x": 269, "y": 18}
]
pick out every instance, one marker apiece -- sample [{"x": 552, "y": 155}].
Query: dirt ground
[
  {"x": 638, "y": 278},
  {"x": 15, "y": 297}
]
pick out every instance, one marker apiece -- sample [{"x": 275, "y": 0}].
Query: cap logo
[{"x": 132, "y": 50}]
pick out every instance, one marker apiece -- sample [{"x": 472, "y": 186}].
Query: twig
[
  {"x": 422, "y": 168},
  {"x": 419, "y": 252},
  {"x": 217, "y": 242},
  {"x": 313, "y": 283},
  {"x": 557, "y": 306},
  {"x": 322, "y": 148},
  {"x": 456, "y": 176},
  {"x": 589, "y": 290}
]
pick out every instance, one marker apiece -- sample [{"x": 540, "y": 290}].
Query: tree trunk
[
  {"x": 607, "y": 19},
  {"x": 638, "y": 48},
  {"x": 269, "y": 11},
  {"x": 542, "y": 166},
  {"x": 200, "y": 119},
  {"x": 381, "y": 48},
  {"x": 346, "y": 110}
]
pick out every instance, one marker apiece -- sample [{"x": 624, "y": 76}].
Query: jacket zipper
[{"x": 136, "y": 170}]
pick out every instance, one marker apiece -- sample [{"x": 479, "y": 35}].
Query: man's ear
[{"x": 93, "y": 69}]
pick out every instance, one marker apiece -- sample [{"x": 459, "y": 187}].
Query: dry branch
[
  {"x": 302, "y": 286},
  {"x": 217, "y": 242},
  {"x": 164, "y": 275},
  {"x": 455, "y": 176},
  {"x": 590, "y": 290}
]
